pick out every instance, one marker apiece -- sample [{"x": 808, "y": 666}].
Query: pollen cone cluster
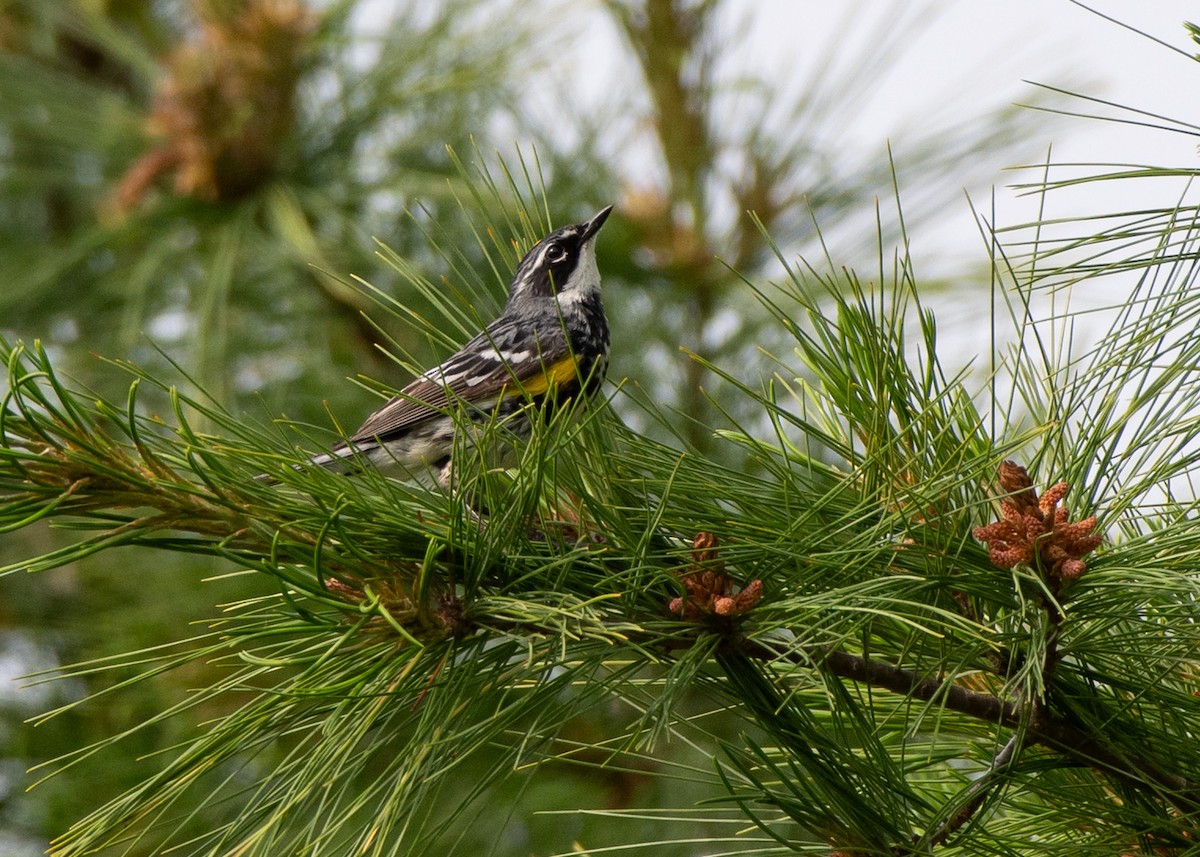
[
  {"x": 1035, "y": 530},
  {"x": 709, "y": 587}
]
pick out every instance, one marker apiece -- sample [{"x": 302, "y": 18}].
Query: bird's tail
[{"x": 340, "y": 459}]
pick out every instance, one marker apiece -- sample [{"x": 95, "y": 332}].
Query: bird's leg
[
  {"x": 445, "y": 468},
  {"x": 447, "y": 480}
]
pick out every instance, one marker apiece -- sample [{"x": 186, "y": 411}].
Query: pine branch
[
  {"x": 1041, "y": 727},
  {"x": 403, "y": 614}
]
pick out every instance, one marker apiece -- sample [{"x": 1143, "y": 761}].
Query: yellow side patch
[{"x": 563, "y": 371}]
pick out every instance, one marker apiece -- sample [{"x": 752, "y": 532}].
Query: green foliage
[{"x": 556, "y": 656}]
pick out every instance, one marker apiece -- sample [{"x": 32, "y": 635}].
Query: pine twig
[{"x": 977, "y": 792}]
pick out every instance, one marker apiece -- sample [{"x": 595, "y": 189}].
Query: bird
[{"x": 550, "y": 340}]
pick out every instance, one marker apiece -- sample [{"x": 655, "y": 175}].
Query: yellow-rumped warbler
[{"x": 551, "y": 336}]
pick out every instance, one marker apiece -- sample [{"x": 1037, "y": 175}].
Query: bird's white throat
[{"x": 584, "y": 280}]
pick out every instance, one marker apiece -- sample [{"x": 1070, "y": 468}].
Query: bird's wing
[{"x": 506, "y": 359}]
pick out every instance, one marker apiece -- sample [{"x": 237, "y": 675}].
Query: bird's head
[{"x": 561, "y": 265}]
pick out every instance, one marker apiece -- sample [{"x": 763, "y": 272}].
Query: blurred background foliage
[{"x": 201, "y": 183}]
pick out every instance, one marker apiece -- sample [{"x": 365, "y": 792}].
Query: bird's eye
[{"x": 557, "y": 253}]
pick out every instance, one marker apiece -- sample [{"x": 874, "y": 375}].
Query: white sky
[
  {"x": 1056, "y": 42},
  {"x": 968, "y": 55}
]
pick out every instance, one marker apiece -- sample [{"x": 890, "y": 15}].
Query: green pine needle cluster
[{"x": 814, "y": 646}]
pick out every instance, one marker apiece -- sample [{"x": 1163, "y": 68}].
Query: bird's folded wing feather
[{"x": 496, "y": 364}]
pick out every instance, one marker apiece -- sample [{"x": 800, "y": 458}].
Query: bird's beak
[{"x": 591, "y": 227}]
